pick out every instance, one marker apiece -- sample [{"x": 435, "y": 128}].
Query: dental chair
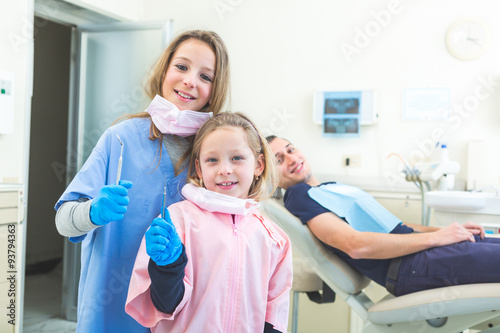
[
  {"x": 305, "y": 280},
  {"x": 448, "y": 309}
]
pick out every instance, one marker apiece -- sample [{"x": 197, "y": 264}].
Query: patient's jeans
[{"x": 461, "y": 263}]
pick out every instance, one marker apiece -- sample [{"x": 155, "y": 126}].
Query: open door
[{"x": 111, "y": 62}]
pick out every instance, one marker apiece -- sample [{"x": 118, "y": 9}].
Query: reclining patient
[{"x": 402, "y": 257}]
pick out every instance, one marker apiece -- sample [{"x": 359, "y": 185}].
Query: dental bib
[
  {"x": 170, "y": 120},
  {"x": 358, "y": 208},
  {"x": 216, "y": 202}
]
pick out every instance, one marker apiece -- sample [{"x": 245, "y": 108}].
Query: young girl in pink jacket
[{"x": 214, "y": 263}]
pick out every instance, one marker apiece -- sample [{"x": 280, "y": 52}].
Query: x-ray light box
[{"x": 341, "y": 113}]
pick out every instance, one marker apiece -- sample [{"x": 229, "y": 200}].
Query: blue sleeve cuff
[{"x": 77, "y": 239}]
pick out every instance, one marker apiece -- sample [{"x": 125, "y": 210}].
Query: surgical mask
[
  {"x": 216, "y": 202},
  {"x": 170, "y": 120}
]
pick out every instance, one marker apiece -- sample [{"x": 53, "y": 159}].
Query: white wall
[
  {"x": 124, "y": 10},
  {"x": 282, "y": 51},
  {"x": 15, "y": 45}
]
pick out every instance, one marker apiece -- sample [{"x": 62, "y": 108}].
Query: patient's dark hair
[{"x": 270, "y": 138}]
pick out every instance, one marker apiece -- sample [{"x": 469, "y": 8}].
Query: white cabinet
[
  {"x": 11, "y": 257},
  {"x": 405, "y": 206},
  {"x": 122, "y": 10}
]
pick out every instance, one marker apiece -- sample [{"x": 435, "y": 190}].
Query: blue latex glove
[
  {"x": 110, "y": 204},
  {"x": 163, "y": 244}
]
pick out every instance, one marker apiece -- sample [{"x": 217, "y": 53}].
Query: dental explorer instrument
[
  {"x": 120, "y": 161},
  {"x": 164, "y": 200}
]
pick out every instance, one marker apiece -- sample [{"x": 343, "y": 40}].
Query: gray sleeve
[{"x": 73, "y": 218}]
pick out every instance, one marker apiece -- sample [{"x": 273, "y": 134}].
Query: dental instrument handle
[
  {"x": 119, "y": 172},
  {"x": 120, "y": 161},
  {"x": 163, "y": 202}
]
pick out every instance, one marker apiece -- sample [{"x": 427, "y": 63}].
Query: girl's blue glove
[
  {"x": 110, "y": 204},
  {"x": 163, "y": 244}
]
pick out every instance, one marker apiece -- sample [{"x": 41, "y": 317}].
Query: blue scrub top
[{"x": 108, "y": 252}]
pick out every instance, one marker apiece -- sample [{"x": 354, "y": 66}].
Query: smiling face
[
  {"x": 226, "y": 163},
  {"x": 189, "y": 76},
  {"x": 292, "y": 164}
]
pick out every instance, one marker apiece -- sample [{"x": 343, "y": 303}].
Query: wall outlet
[{"x": 351, "y": 161}]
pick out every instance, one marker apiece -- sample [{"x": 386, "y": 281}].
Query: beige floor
[
  {"x": 42, "y": 309},
  {"x": 42, "y": 304}
]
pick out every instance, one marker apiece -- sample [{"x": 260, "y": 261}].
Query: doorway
[
  {"x": 86, "y": 41},
  {"x": 47, "y": 173}
]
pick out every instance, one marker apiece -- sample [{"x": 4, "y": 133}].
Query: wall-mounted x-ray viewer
[
  {"x": 341, "y": 113},
  {"x": 6, "y": 102}
]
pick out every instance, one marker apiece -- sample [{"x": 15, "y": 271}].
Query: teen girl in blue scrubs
[{"x": 189, "y": 81}]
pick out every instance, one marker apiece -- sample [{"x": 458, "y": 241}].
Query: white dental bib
[{"x": 216, "y": 202}]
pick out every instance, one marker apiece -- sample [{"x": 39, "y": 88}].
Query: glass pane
[{"x": 115, "y": 68}]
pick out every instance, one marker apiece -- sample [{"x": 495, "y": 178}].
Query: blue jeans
[{"x": 461, "y": 263}]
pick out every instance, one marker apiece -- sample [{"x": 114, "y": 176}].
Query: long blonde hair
[
  {"x": 220, "y": 84},
  {"x": 267, "y": 182}
]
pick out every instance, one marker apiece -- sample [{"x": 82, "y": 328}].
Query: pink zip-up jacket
[{"x": 238, "y": 275}]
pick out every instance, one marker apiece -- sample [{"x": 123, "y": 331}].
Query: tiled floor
[{"x": 42, "y": 304}]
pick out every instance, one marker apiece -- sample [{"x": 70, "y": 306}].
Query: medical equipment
[
  {"x": 412, "y": 174},
  {"x": 164, "y": 199},
  {"x": 120, "y": 161},
  {"x": 434, "y": 171},
  {"x": 442, "y": 171},
  {"x": 446, "y": 309},
  {"x": 423, "y": 175},
  {"x": 308, "y": 282}
]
